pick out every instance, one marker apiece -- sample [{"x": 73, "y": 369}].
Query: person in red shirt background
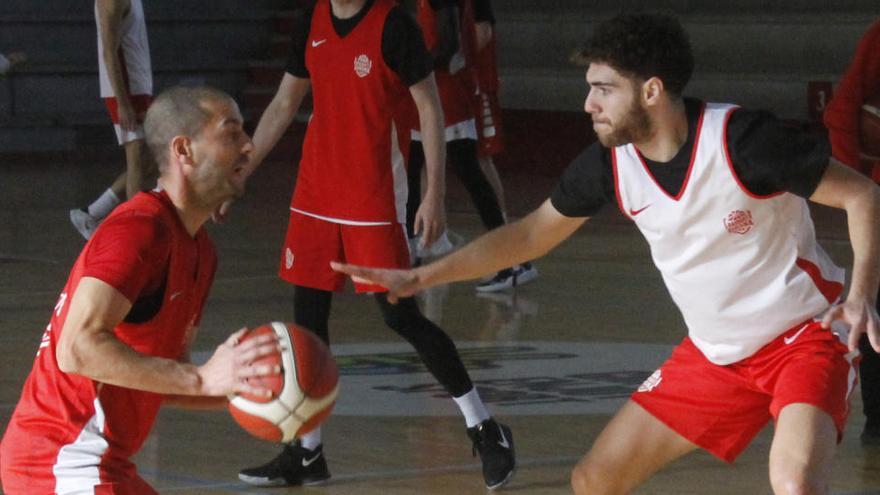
[
  {"x": 466, "y": 80},
  {"x": 860, "y": 82},
  {"x": 360, "y": 59}
]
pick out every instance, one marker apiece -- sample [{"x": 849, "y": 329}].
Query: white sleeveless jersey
[
  {"x": 134, "y": 54},
  {"x": 741, "y": 268}
]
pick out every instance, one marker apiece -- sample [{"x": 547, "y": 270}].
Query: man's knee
[
  {"x": 399, "y": 317},
  {"x": 797, "y": 482},
  {"x": 589, "y": 477}
]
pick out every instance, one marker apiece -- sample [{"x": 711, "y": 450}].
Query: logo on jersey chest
[
  {"x": 362, "y": 65},
  {"x": 738, "y": 222},
  {"x": 652, "y": 382}
]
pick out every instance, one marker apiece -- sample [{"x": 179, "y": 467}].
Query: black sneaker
[
  {"x": 295, "y": 465},
  {"x": 494, "y": 442},
  {"x": 509, "y": 278}
]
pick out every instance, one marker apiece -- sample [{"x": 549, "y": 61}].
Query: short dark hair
[
  {"x": 178, "y": 111},
  {"x": 643, "y": 46}
]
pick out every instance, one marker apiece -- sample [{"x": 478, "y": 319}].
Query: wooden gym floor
[{"x": 553, "y": 359}]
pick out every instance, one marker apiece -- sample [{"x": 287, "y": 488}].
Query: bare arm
[
  {"x": 431, "y": 216},
  {"x": 527, "y": 239},
  {"x": 87, "y": 346},
  {"x": 277, "y": 117},
  {"x": 841, "y": 187},
  {"x": 524, "y": 240},
  {"x": 110, "y": 14},
  {"x": 483, "y": 34},
  {"x": 273, "y": 123}
]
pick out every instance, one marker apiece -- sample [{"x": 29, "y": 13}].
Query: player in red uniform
[
  {"x": 361, "y": 58},
  {"x": 117, "y": 346},
  {"x": 448, "y": 26},
  {"x": 481, "y": 49},
  {"x": 860, "y": 82},
  {"x": 720, "y": 195}
]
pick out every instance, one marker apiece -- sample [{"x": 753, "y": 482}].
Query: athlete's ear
[
  {"x": 181, "y": 147},
  {"x": 651, "y": 90}
]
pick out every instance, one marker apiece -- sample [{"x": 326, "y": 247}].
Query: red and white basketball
[
  {"x": 302, "y": 395},
  {"x": 870, "y": 127}
]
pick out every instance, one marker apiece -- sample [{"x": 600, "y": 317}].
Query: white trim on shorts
[
  {"x": 466, "y": 129},
  {"x": 124, "y": 137},
  {"x": 339, "y": 220}
]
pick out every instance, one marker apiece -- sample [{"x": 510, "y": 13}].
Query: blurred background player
[
  {"x": 117, "y": 345},
  {"x": 481, "y": 44},
  {"x": 361, "y": 58},
  {"x": 444, "y": 23},
  {"x": 860, "y": 83},
  {"x": 126, "y": 82}
]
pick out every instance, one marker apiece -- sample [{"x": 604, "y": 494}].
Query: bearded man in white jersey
[{"x": 720, "y": 194}]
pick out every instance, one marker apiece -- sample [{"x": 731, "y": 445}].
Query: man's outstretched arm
[{"x": 517, "y": 242}]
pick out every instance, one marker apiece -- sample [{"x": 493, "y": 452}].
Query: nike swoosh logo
[
  {"x": 503, "y": 442},
  {"x": 174, "y": 296},
  {"x": 789, "y": 340},
  {"x": 636, "y": 212},
  {"x": 318, "y": 43},
  {"x": 308, "y": 462}
]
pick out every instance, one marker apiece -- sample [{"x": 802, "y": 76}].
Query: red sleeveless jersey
[
  {"x": 352, "y": 168},
  {"x": 68, "y": 431}
]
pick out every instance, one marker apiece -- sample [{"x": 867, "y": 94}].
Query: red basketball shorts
[
  {"x": 312, "y": 243},
  {"x": 140, "y": 103},
  {"x": 721, "y": 408}
]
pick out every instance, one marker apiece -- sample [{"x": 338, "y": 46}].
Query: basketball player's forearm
[
  {"x": 844, "y": 188},
  {"x": 487, "y": 254},
  {"x": 277, "y": 117},
  {"x": 862, "y": 214},
  {"x": 483, "y": 33},
  {"x": 101, "y": 357},
  {"x": 524, "y": 240},
  {"x": 434, "y": 145},
  {"x": 274, "y": 122},
  {"x": 435, "y": 158}
]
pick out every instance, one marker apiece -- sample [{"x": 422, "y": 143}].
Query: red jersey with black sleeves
[
  {"x": 70, "y": 432},
  {"x": 352, "y": 168}
]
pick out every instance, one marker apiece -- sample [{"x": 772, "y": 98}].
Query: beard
[{"x": 635, "y": 126}]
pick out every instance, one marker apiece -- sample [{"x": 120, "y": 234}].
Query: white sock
[
  {"x": 312, "y": 439},
  {"x": 104, "y": 204},
  {"x": 472, "y": 407}
]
